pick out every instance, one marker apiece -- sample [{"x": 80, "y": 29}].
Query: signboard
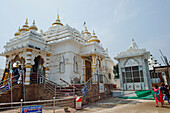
[
  {"x": 32, "y": 109},
  {"x": 101, "y": 87},
  {"x": 84, "y": 91},
  {"x": 4, "y": 88}
]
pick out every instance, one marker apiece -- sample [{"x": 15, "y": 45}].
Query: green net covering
[{"x": 147, "y": 94}]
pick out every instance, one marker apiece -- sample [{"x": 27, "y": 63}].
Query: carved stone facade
[
  {"x": 60, "y": 52},
  {"x": 133, "y": 68}
]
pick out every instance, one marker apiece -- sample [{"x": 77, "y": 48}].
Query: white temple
[
  {"x": 61, "y": 52},
  {"x": 133, "y": 68},
  {"x": 153, "y": 63},
  {"x": 155, "y": 77}
]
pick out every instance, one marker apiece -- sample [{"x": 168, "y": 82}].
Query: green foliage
[{"x": 116, "y": 71}]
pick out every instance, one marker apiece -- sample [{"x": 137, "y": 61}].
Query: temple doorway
[
  {"x": 37, "y": 71},
  {"x": 88, "y": 70}
]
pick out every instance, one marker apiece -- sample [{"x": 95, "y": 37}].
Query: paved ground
[{"x": 114, "y": 105}]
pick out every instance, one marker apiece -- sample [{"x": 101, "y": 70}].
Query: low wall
[
  {"x": 32, "y": 92},
  {"x": 94, "y": 95},
  {"x": 37, "y": 92}
]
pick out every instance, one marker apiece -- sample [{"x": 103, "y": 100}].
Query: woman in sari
[{"x": 158, "y": 96}]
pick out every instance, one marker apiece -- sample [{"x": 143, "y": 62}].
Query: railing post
[
  {"x": 74, "y": 89},
  {"x": 21, "y": 106},
  {"x": 11, "y": 82},
  {"x": 90, "y": 84},
  {"x": 54, "y": 105},
  {"x": 44, "y": 83},
  {"x": 55, "y": 90}
]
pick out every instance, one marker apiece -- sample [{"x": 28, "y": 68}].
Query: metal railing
[
  {"x": 91, "y": 80},
  {"x": 52, "y": 104},
  {"x": 56, "y": 89},
  {"x": 11, "y": 81}
]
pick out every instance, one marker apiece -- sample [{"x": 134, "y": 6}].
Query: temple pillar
[
  {"x": 94, "y": 68},
  {"x": 28, "y": 66},
  {"x": 83, "y": 68},
  {"x": 6, "y": 64},
  {"x": 47, "y": 66},
  {"x": 101, "y": 66}
]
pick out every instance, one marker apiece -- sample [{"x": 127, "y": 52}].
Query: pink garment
[{"x": 158, "y": 96}]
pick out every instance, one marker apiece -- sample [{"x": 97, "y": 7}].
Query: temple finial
[
  {"x": 133, "y": 44},
  {"x": 85, "y": 28},
  {"x": 33, "y": 22},
  {"x": 58, "y": 17},
  {"x": 26, "y": 21},
  {"x": 93, "y": 33}
]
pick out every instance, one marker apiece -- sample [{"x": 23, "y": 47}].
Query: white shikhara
[
  {"x": 64, "y": 52},
  {"x": 133, "y": 68}
]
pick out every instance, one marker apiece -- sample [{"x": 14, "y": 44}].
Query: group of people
[
  {"x": 16, "y": 74},
  {"x": 161, "y": 94}
]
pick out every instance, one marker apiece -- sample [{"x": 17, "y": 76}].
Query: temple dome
[
  {"x": 18, "y": 32},
  {"x": 34, "y": 27},
  {"x": 94, "y": 38},
  {"x": 25, "y": 27},
  {"x": 57, "y": 22},
  {"x": 86, "y": 31}
]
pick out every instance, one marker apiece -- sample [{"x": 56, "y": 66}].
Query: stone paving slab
[{"x": 113, "y": 105}]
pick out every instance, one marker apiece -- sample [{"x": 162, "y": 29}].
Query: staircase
[
  {"x": 60, "y": 91},
  {"x": 44, "y": 89}
]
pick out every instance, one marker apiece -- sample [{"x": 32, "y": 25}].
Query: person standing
[
  {"x": 163, "y": 89},
  {"x": 158, "y": 96},
  {"x": 166, "y": 96},
  {"x": 18, "y": 73}
]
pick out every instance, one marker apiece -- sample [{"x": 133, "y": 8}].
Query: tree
[{"x": 116, "y": 71}]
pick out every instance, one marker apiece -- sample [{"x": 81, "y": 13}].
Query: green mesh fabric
[{"x": 147, "y": 94}]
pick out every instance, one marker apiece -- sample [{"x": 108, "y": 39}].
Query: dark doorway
[
  {"x": 37, "y": 71},
  {"x": 88, "y": 70}
]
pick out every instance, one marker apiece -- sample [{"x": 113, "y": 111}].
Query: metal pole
[
  {"x": 74, "y": 88},
  {"x": 23, "y": 78},
  {"x": 21, "y": 106},
  {"x": 55, "y": 90},
  {"x": 54, "y": 105},
  {"x": 11, "y": 81}
]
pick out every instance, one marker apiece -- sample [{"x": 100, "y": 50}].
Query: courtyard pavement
[{"x": 113, "y": 105}]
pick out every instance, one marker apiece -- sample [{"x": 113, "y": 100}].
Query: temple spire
[
  {"x": 58, "y": 17},
  {"x": 93, "y": 33},
  {"x": 26, "y": 22},
  {"x": 57, "y": 22},
  {"x": 33, "y": 27},
  {"x": 133, "y": 45},
  {"x": 33, "y": 22}
]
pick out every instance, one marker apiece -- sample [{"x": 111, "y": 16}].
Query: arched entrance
[
  {"x": 16, "y": 66},
  {"x": 37, "y": 71},
  {"x": 17, "y": 61}
]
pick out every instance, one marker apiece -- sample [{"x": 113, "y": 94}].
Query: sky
[{"x": 115, "y": 22}]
